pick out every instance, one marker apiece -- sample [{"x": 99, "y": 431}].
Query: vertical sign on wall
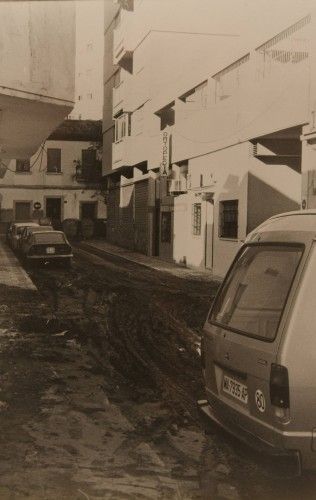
[{"x": 165, "y": 152}]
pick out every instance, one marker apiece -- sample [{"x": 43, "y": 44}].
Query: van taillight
[{"x": 279, "y": 386}]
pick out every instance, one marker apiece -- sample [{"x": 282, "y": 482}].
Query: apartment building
[
  {"x": 60, "y": 181},
  {"x": 207, "y": 126}
]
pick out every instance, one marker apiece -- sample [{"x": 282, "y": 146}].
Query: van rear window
[{"x": 254, "y": 292}]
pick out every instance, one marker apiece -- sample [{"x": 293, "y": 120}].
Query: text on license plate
[
  {"x": 236, "y": 389},
  {"x": 50, "y": 250}
]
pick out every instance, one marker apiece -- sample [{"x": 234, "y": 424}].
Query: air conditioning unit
[{"x": 177, "y": 186}]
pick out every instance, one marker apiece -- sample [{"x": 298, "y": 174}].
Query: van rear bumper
[{"x": 254, "y": 442}]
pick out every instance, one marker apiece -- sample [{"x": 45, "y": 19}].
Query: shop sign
[{"x": 164, "y": 165}]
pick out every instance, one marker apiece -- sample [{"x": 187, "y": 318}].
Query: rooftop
[{"x": 78, "y": 130}]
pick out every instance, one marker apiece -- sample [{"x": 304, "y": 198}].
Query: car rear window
[
  {"x": 21, "y": 229},
  {"x": 254, "y": 292},
  {"x": 49, "y": 238},
  {"x": 41, "y": 228}
]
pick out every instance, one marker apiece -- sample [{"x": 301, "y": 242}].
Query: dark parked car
[
  {"x": 15, "y": 231},
  {"x": 47, "y": 246}
]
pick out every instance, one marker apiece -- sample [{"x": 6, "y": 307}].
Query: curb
[{"x": 101, "y": 252}]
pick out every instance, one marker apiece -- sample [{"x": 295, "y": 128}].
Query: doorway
[
  {"x": 88, "y": 210},
  {"x": 53, "y": 211}
]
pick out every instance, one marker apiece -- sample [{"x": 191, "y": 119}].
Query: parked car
[
  {"x": 259, "y": 344},
  {"x": 46, "y": 246},
  {"x": 15, "y": 231},
  {"x": 29, "y": 230}
]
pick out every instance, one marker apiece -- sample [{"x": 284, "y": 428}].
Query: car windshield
[
  {"x": 254, "y": 293},
  {"x": 49, "y": 238}
]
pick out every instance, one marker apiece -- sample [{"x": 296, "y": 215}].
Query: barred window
[
  {"x": 22, "y": 166},
  {"x": 228, "y": 219},
  {"x": 196, "y": 218}
]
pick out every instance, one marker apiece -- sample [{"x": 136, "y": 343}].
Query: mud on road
[{"x": 100, "y": 378}]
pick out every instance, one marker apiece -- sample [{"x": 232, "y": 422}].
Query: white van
[{"x": 259, "y": 341}]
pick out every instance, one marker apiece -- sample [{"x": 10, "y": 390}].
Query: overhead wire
[{"x": 39, "y": 154}]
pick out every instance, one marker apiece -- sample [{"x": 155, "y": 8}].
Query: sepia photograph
[{"x": 157, "y": 249}]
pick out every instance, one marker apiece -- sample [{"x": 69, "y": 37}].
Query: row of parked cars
[{"x": 36, "y": 242}]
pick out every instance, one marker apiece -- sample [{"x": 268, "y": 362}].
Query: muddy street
[{"x": 100, "y": 378}]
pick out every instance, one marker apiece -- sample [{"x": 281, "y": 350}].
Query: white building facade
[
  {"x": 207, "y": 126},
  {"x": 60, "y": 181}
]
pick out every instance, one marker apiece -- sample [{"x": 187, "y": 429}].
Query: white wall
[{"x": 226, "y": 173}]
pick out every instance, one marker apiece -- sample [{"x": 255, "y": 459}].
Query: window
[
  {"x": 53, "y": 160},
  {"x": 122, "y": 127},
  {"x": 228, "y": 219},
  {"x": 88, "y": 158},
  {"x": 196, "y": 219},
  {"x": 22, "y": 166},
  {"x": 166, "y": 227},
  {"x": 255, "y": 291}
]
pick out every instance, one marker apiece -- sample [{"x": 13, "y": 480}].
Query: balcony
[
  {"x": 122, "y": 43},
  {"x": 90, "y": 174},
  {"x": 177, "y": 186},
  {"x": 264, "y": 92}
]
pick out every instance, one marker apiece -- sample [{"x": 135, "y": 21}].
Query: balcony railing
[{"x": 89, "y": 174}]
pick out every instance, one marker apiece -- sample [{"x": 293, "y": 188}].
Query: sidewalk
[
  {"x": 12, "y": 273},
  {"x": 103, "y": 248}
]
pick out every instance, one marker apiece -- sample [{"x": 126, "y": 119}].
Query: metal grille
[
  {"x": 286, "y": 48},
  {"x": 196, "y": 218}
]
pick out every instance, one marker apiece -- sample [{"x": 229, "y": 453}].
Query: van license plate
[
  {"x": 50, "y": 250},
  {"x": 235, "y": 389}
]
